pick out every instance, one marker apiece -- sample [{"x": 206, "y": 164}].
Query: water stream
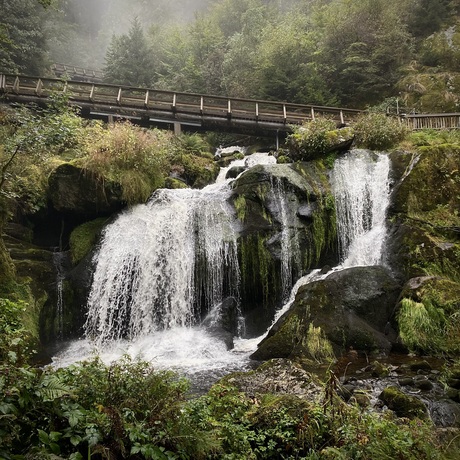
[{"x": 159, "y": 270}]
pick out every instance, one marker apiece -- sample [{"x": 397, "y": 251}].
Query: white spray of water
[
  {"x": 58, "y": 261},
  {"x": 290, "y": 246}
]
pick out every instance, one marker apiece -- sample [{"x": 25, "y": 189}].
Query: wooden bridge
[
  {"x": 197, "y": 112},
  {"x": 191, "y": 111}
]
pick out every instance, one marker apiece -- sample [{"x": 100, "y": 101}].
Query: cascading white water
[
  {"x": 361, "y": 186},
  {"x": 58, "y": 261},
  {"x": 290, "y": 246},
  {"x": 163, "y": 264}
]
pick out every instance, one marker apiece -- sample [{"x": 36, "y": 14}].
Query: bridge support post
[
  {"x": 277, "y": 140},
  {"x": 177, "y": 129}
]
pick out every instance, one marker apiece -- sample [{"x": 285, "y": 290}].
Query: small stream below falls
[{"x": 144, "y": 302}]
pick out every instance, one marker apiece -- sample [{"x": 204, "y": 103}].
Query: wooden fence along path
[
  {"x": 75, "y": 73},
  {"x": 156, "y": 106},
  {"x": 433, "y": 121}
]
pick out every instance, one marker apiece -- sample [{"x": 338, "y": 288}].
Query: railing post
[
  {"x": 201, "y": 105},
  {"x": 2, "y": 82},
  {"x": 257, "y": 111},
  {"x": 284, "y": 113},
  {"x": 342, "y": 121},
  {"x": 16, "y": 85},
  {"x": 229, "y": 109},
  {"x": 119, "y": 96},
  {"x": 312, "y": 114},
  {"x": 91, "y": 94},
  {"x": 174, "y": 102},
  {"x": 146, "y": 100},
  {"x": 39, "y": 87},
  {"x": 65, "y": 87}
]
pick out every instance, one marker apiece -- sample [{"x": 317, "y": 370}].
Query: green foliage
[
  {"x": 429, "y": 321},
  {"x": 310, "y": 139},
  {"x": 377, "y": 131},
  {"x": 16, "y": 342},
  {"x": 420, "y": 324},
  {"x": 135, "y": 158},
  {"x": 128, "y": 411},
  {"x": 33, "y": 137},
  {"x": 22, "y": 37}
]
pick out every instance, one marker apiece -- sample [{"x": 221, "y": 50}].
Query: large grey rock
[
  {"x": 352, "y": 308},
  {"x": 286, "y": 219}
]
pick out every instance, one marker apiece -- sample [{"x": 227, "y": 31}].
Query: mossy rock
[
  {"x": 403, "y": 405},
  {"x": 77, "y": 191},
  {"x": 198, "y": 171},
  {"x": 84, "y": 237},
  {"x": 173, "y": 183},
  {"x": 430, "y": 304},
  {"x": 350, "y": 308},
  {"x": 434, "y": 180}
]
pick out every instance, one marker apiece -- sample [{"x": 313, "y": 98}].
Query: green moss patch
[{"x": 84, "y": 237}]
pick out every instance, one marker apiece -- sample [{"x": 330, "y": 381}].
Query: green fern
[{"x": 51, "y": 388}]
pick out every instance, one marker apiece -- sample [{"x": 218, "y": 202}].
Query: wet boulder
[
  {"x": 402, "y": 404},
  {"x": 349, "y": 308}
]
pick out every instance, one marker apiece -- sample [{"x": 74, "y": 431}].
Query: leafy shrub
[
  {"x": 310, "y": 139},
  {"x": 317, "y": 138},
  {"x": 377, "y": 131},
  {"x": 134, "y": 157},
  {"x": 16, "y": 342}
]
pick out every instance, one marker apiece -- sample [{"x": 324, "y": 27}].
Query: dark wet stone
[
  {"x": 453, "y": 394},
  {"x": 406, "y": 381},
  {"x": 420, "y": 366},
  {"x": 423, "y": 384},
  {"x": 403, "y": 405},
  {"x": 346, "y": 391},
  {"x": 454, "y": 383}
]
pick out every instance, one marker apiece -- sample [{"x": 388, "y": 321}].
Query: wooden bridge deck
[{"x": 152, "y": 106}]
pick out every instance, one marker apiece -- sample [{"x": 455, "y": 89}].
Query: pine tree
[
  {"x": 22, "y": 37},
  {"x": 129, "y": 60}
]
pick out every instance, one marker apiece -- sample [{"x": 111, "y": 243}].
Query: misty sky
[{"x": 81, "y": 30}]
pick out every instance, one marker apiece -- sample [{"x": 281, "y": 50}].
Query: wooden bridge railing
[
  {"x": 170, "y": 106},
  {"x": 432, "y": 121},
  {"x": 76, "y": 73}
]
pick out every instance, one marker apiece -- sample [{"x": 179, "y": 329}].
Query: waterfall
[
  {"x": 58, "y": 261},
  {"x": 164, "y": 264},
  {"x": 361, "y": 187}
]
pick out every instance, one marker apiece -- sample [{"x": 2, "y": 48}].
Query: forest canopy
[{"x": 354, "y": 53}]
